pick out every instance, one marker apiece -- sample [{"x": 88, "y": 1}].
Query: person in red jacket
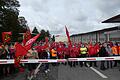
[
  {"x": 60, "y": 52},
  {"x": 73, "y": 55},
  {"x": 77, "y": 53},
  {"x": 92, "y": 52},
  {"x": 66, "y": 53}
]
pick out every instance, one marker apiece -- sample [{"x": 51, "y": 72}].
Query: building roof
[
  {"x": 114, "y": 19},
  {"x": 102, "y": 30}
]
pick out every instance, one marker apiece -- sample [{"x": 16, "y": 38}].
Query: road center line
[
  {"x": 98, "y": 72},
  {"x": 36, "y": 71}
]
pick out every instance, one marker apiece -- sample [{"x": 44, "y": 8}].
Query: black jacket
[{"x": 102, "y": 52}]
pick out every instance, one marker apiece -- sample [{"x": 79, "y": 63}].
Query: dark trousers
[
  {"x": 115, "y": 62},
  {"x": 1, "y": 70},
  {"x": 54, "y": 64},
  {"x": 102, "y": 66},
  {"x": 66, "y": 57},
  {"x": 93, "y": 62},
  {"x": 109, "y": 64},
  {"x": 46, "y": 66},
  {"x": 72, "y": 64},
  {"x": 81, "y": 62}
]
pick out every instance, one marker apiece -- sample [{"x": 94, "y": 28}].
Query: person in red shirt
[
  {"x": 66, "y": 53},
  {"x": 77, "y": 53},
  {"x": 72, "y": 55},
  {"x": 74, "y": 52},
  {"x": 60, "y": 52},
  {"x": 92, "y": 52}
]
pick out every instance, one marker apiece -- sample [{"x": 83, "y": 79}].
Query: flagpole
[{"x": 68, "y": 36}]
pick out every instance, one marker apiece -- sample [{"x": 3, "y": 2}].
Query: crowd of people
[
  {"x": 61, "y": 50},
  {"x": 6, "y": 52}
]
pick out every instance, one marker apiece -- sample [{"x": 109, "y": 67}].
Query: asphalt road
[
  {"x": 63, "y": 72},
  {"x": 87, "y": 73}
]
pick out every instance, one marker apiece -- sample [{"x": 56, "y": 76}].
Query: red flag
[
  {"x": 30, "y": 42},
  {"x": 20, "y": 50},
  {"x": 46, "y": 39},
  {"x": 46, "y": 42},
  {"x": 6, "y": 36},
  {"x": 26, "y": 36},
  {"x": 68, "y": 36}
]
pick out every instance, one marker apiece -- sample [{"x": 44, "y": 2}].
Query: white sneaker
[
  {"x": 48, "y": 70},
  {"x": 28, "y": 77}
]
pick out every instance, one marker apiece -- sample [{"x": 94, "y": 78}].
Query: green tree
[
  {"x": 35, "y": 30},
  {"x": 47, "y": 34},
  {"x": 9, "y": 18},
  {"x": 53, "y": 38},
  {"x": 44, "y": 34}
]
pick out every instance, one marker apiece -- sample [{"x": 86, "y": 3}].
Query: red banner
[
  {"x": 31, "y": 41},
  {"x": 20, "y": 50},
  {"x": 6, "y": 36}
]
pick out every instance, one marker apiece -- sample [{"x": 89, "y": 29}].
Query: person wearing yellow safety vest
[
  {"x": 115, "y": 51},
  {"x": 83, "y": 54}
]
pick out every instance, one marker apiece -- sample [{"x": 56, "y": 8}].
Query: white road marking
[
  {"x": 36, "y": 71},
  {"x": 98, "y": 72}
]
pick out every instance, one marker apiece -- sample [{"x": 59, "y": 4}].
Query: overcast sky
[{"x": 79, "y": 15}]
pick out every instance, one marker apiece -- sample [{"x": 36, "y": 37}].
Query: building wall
[
  {"x": 102, "y": 37},
  {"x": 99, "y": 36},
  {"x": 114, "y": 36},
  {"x": 61, "y": 39}
]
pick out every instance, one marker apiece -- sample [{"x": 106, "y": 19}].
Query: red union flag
[
  {"x": 6, "y": 36},
  {"x": 31, "y": 41}
]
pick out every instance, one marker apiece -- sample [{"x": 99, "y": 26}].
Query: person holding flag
[
  {"x": 92, "y": 52},
  {"x": 21, "y": 51},
  {"x": 32, "y": 54}
]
